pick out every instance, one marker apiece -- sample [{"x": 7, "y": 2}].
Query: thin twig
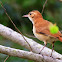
[
  {"x": 44, "y": 6},
  {"x": 15, "y": 25},
  {"x": 6, "y": 58}
]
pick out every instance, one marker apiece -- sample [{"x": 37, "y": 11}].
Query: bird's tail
[{"x": 60, "y": 38}]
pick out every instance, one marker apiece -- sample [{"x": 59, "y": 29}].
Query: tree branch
[
  {"x": 26, "y": 54},
  {"x": 19, "y": 53},
  {"x": 17, "y": 38}
]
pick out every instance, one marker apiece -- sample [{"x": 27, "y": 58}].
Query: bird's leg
[
  {"x": 43, "y": 47},
  {"x": 52, "y": 48}
]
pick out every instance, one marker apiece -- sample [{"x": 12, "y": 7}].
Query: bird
[{"x": 41, "y": 29}]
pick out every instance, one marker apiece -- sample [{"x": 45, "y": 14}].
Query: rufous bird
[{"x": 41, "y": 29}]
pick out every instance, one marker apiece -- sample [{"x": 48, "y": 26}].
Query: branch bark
[
  {"x": 26, "y": 54},
  {"x": 17, "y": 38}
]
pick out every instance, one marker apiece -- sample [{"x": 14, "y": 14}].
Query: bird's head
[{"x": 33, "y": 15}]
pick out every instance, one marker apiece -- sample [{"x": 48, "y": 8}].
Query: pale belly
[{"x": 43, "y": 38}]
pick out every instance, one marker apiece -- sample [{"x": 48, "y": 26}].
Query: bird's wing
[{"x": 43, "y": 28}]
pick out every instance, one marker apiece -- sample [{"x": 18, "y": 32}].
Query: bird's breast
[{"x": 39, "y": 36}]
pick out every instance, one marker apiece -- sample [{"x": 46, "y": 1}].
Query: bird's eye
[{"x": 30, "y": 14}]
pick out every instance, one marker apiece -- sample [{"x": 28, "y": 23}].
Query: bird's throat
[{"x": 31, "y": 20}]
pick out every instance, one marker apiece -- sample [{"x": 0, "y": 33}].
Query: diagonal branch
[
  {"x": 25, "y": 54},
  {"x": 17, "y": 38},
  {"x": 19, "y": 53}
]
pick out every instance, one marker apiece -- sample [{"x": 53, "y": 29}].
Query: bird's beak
[{"x": 25, "y": 16}]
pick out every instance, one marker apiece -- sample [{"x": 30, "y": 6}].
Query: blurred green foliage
[{"x": 16, "y": 9}]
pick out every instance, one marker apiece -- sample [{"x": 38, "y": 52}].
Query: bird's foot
[
  {"x": 41, "y": 54},
  {"x": 52, "y": 57},
  {"x": 55, "y": 58}
]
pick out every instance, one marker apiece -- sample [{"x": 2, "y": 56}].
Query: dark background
[{"x": 16, "y": 9}]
